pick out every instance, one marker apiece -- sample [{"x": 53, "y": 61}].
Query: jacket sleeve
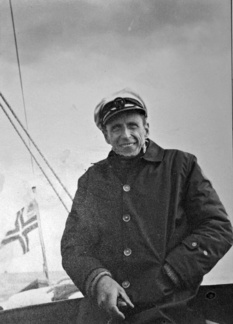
[
  {"x": 210, "y": 230},
  {"x": 79, "y": 239}
]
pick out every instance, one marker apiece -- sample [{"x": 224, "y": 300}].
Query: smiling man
[{"x": 144, "y": 228}]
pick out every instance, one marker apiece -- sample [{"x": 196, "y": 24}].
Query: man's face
[{"x": 126, "y": 133}]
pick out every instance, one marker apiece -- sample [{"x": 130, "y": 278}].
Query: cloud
[{"x": 49, "y": 27}]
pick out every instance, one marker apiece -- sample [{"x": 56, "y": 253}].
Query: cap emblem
[{"x": 119, "y": 103}]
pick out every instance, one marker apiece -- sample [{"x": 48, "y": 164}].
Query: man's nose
[{"x": 125, "y": 132}]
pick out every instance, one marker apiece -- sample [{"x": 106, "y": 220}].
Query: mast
[{"x": 45, "y": 264}]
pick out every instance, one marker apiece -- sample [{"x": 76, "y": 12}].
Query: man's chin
[{"x": 129, "y": 154}]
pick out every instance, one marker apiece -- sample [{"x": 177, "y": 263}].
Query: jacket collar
[{"x": 154, "y": 152}]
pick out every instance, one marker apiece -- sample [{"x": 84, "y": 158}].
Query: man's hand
[{"x": 108, "y": 293}]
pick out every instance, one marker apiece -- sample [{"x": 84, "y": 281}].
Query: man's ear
[
  {"x": 147, "y": 129},
  {"x": 104, "y": 131}
]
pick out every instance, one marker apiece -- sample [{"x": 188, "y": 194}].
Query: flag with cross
[{"x": 26, "y": 222}]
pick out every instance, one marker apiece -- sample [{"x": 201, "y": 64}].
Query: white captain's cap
[{"x": 121, "y": 101}]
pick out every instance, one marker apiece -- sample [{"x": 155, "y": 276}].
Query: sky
[{"x": 175, "y": 53}]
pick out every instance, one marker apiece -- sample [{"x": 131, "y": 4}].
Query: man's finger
[
  {"x": 126, "y": 298},
  {"x": 116, "y": 313},
  {"x": 112, "y": 308},
  {"x": 121, "y": 303}
]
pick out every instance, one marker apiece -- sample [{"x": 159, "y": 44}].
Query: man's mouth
[{"x": 127, "y": 144}]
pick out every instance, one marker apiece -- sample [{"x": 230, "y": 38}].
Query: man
[{"x": 144, "y": 228}]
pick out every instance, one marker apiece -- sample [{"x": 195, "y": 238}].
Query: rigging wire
[
  {"x": 20, "y": 74},
  {"x": 32, "y": 141},
  {"x": 34, "y": 158},
  {"x": 25, "y": 112}
]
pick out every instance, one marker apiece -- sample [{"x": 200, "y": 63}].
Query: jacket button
[
  {"x": 126, "y": 218},
  {"x": 126, "y": 188},
  {"x": 194, "y": 244},
  {"x": 125, "y": 284},
  {"x": 127, "y": 252}
]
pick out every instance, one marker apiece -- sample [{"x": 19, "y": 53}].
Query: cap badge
[{"x": 119, "y": 103}]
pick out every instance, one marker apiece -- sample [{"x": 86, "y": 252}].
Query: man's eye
[
  {"x": 133, "y": 126},
  {"x": 115, "y": 128}
]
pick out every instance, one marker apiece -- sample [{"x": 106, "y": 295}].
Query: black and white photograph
[{"x": 116, "y": 169}]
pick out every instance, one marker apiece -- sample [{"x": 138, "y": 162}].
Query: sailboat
[{"x": 39, "y": 294}]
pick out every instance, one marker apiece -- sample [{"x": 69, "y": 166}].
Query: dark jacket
[{"x": 162, "y": 210}]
